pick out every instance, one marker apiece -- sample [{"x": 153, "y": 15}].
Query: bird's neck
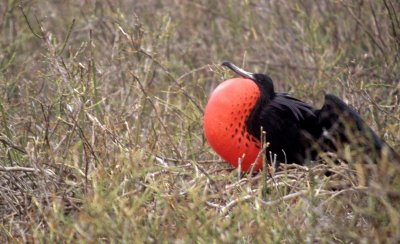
[{"x": 253, "y": 122}]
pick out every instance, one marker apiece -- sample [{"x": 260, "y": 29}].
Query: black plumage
[{"x": 296, "y": 131}]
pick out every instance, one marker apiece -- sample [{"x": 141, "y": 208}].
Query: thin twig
[
  {"x": 25, "y": 169},
  {"x": 9, "y": 143},
  {"x": 67, "y": 38},
  {"x": 284, "y": 198},
  {"x": 233, "y": 203},
  {"x": 29, "y": 24}
]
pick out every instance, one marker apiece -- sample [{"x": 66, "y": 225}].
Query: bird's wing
[
  {"x": 344, "y": 124},
  {"x": 298, "y": 108}
]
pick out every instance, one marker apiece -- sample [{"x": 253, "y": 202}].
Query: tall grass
[{"x": 101, "y": 120}]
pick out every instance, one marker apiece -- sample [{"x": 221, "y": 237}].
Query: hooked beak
[{"x": 239, "y": 71}]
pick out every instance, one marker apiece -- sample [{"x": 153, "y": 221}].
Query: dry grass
[{"x": 101, "y": 120}]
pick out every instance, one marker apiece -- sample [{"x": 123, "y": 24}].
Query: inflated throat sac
[{"x": 228, "y": 107}]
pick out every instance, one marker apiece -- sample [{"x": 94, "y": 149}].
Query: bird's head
[{"x": 263, "y": 81}]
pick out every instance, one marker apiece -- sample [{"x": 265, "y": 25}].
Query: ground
[{"x": 101, "y": 120}]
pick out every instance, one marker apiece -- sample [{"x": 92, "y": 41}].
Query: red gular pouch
[{"x": 228, "y": 107}]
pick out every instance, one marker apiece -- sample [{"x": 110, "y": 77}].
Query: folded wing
[{"x": 341, "y": 124}]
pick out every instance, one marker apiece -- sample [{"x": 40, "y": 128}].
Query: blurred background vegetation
[{"x": 92, "y": 91}]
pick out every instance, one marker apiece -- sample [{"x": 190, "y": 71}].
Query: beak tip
[
  {"x": 226, "y": 63},
  {"x": 238, "y": 70}
]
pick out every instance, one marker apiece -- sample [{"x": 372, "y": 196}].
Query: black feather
[{"x": 282, "y": 100}]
